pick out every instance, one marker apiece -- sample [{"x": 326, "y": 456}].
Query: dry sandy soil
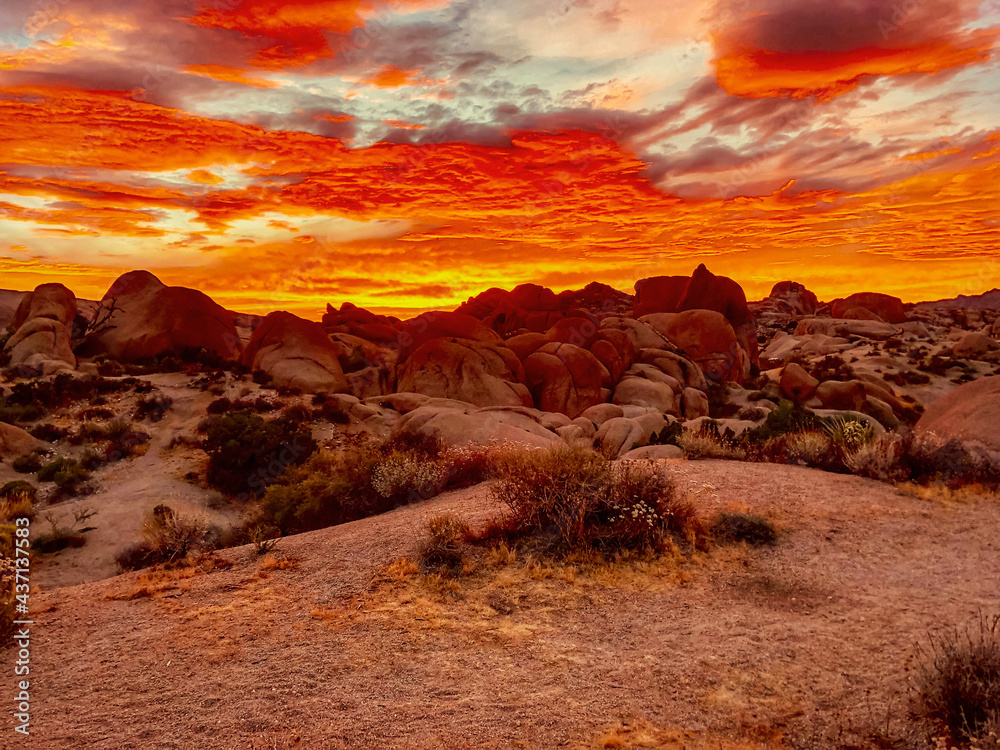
[{"x": 806, "y": 644}]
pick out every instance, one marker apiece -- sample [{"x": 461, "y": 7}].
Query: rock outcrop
[
  {"x": 969, "y": 413},
  {"x": 707, "y": 338},
  {"x": 43, "y": 327},
  {"x": 152, "y": 319},
  {"x": 296, "y": 353},
  {"x": 479, "y": 373},
  {"x": 885, "y": 306},
  {"x": 565, "y": 378},
  {"x": 702, "y": 291}
]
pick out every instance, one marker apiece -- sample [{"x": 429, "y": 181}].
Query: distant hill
[{"x": 990, "y": 299}]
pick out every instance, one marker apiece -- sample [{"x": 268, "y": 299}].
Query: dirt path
[{"x": 795, "y": 641}]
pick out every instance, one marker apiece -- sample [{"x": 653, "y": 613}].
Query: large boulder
[
  {"x": 296, "y": 353},
  {"x": 886, "y": 307},
  {"x": 43, "y": 323},
  {"x": 435, "y": 325},
  {"x": 794, "y": 298},
  {"x": 840, "y": 328},
  {"x": 151, "y": 318},
  {"x": 784, "y": 346},
  {"x": 970, "y": 413},
  {"x": 15, "y": 442},
  {"x": 707, "y": 338},
  {"x": 847, "y": 396},
  {"x": 620, "y": 435},
  {"x": 356, "y": 321},
  {"x": 564, "y": 378},
  {"x": 702, "y": 291},
  {"x": 461, "y": 425},
  {"x": 796, "y": 383},
  {"x": 976, "y": 345},
  {"x": 479, "y": 373},
  {"x": 658, "y": 294},
  {"x": 638, "y": 391}
]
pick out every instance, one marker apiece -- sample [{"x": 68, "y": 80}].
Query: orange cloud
[
  {"x": 825, "y": 75},
  {"x": 560, "y": 208},
  {"x": 204, "y": 177},
  {"x": 230, "y": 74},
  {"x": 392, "y": 77}
]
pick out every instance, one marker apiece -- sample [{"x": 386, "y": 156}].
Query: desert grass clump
[
  {"x": 708, "y": 442},
  {"x": 400, "y": 473},
  {"x": 168, "y": 538},
  {"x": 879, "y": 459},
  {"x": 958, "y": 684},
  {"x": 734, "y": 527},
  {"x": 441, "y": 549},
  {"x": 573, "y": 499}
]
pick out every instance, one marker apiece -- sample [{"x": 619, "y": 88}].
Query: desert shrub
[
  {"x": 16, "y": 505},
  {"x": 48, "y": 432},
  {"x": 669, "y": 435},
  {"x": 60, "y": 537},
  {"x": 19, "y": 488},
  {"x": 355, "y": 482},
  {"x": 958, "y": 683},
  {"x": 154, "y": 407},
  {"x": 298, "y": 414},
  {"x": 246, "y": 454},
  {"x": 441, "y": 548},
  {"x": 469, "y": 465},
  {"x": 928, "y": 458},
  {"x": 731, "y": 527},
  {"x": 879, "y": 458},
  {"x": 809, "y": 448},
  {"x": 27, "y": 464},
  {"x": 64, "y": 472},
  {"x": 168, "y": 538},
  {"x": 400, "y": 473},
  {"x": 96, "y": 412},
  {"x": 220, "y": 406},
  {"x": 788, "y": 417},
  {"x": 571, "y": 498},
  {"x": 848, "y": 435}
]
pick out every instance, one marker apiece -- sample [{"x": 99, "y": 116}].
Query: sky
[{"x": 405, "y": 155}]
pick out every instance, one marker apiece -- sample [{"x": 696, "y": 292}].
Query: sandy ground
[
  {"x": 795, "y": 644},
  {"x": 128, "y": 490}
]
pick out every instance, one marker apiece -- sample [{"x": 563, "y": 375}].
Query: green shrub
[
  {"x": 958, "y": 683},
  {"x": 848, "y": 434},
  {"x": 731, "y": 527},
  {"x": 362, "y": 480},
  {"x": 27, "y": 464},
  {"x": 246, "y": 454},
  {"x": 64, "y": 472}
]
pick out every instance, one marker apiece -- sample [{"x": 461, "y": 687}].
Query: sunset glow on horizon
[{"x": 406, "y": 155}]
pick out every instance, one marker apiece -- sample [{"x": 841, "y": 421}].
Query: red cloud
[{"x": 782, "y": 48}]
